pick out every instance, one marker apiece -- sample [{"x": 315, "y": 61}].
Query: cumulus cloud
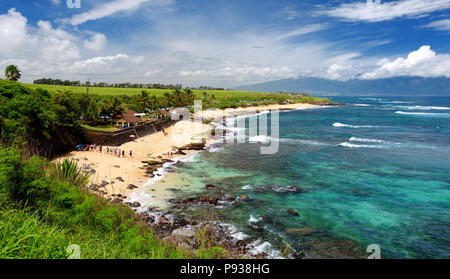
[
  {"x": 12, "y": 31},
  {"x": 443, "y": 25},
  {"x": 111, "y": 8},
  {"x": 97, "y": 42},
  {"x": 361, "y": 11},
  {"x": 422, "y": 62},
  {"x": 101, "y": 64}
]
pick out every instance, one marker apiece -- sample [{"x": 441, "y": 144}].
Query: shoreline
[{"x": 113, "y": 177}]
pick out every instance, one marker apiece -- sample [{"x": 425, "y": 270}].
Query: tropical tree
[
  {"x": 167, "y": 99},
  {"x": 12, "y": 72},
  {"x": 115, "y": 107}
]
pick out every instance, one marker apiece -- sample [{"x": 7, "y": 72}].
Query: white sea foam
[
  {"x": 367, "y": 140},
  {"x": 423, "y": 108},
  {"x": 351, "y": 145},
  {"x": 258, "y": 247},
  {"x": 246, "y": 187},
  {"x": 260, "y": 139},
  {"x": 215, "y": 149},
  {"x": 337, "y": 124},
  {"x": 423, "y": 113},
  {"x": 361, "y": 105},
  {"x": 252, "y": 219}
]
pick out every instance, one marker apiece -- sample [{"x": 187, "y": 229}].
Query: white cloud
[
  {"x": 302, "y": 31},
  {"x": 56, "y": 2},
  {"x": 360, "y": 11},
  {"x": 422, "y": 62},
  {"x": 97, "y": 42},
  {"x": 111, "y": 8},
  {"x": 101, "y": 64},
  {"x": 12, "y": 31},
  {"x": 443, "y": 25}
]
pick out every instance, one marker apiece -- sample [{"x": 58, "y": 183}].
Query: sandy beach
[{"x": 119, "y": 173}]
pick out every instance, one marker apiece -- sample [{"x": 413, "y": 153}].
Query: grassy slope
[
  {"x": 42, "y": 212},
  {"x": 136, "y": 91}
]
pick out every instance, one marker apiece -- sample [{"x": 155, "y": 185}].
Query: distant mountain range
[{"x": 387, "y": 86}]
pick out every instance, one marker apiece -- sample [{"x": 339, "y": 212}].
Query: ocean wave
[
  {"x": 423, "y": 107},
  {"x": 215, "y": 149},
  {"x": 267, "y": 139},
  {"x": 260, "y": 139},
  {"x": 337, "y": 124},
  {"x": 442, "y": 114},
  {"x": 259, "y": 247},
  {"x": 252, "y": 219},
  {"x": 397, "y": 102},
  {"x": 351, "y": 145},
  {"x": 367, "y": 140},
  {"x": 361, "y": 105}
]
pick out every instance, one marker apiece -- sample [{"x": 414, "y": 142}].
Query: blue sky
[{"x": 225, "y": 43}]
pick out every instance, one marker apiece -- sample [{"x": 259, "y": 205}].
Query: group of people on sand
[
  {"x": 109, "y": 150},
  {"x": 118, "y": 152}
]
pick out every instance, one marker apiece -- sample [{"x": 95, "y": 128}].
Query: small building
[{"x": 126, "y": 119}]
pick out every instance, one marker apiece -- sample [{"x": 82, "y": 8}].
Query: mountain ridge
[{"x": 414, "y": 85}]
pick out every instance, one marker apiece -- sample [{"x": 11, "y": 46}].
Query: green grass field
[{"x": 111, "y": 91}]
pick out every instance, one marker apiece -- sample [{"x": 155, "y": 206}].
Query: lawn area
[
  {"x": 112, "y": 91},
  {"x": 100, "y": 128}
]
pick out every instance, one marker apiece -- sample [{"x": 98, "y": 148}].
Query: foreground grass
[{"x": 42, "y": 212}]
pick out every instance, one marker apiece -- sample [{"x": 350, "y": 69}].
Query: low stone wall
[{"x": 117, "y": 138}]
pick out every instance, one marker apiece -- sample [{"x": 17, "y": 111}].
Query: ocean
[{"x": 376, "y": 171}]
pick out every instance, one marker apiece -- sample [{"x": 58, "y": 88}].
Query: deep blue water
[{"x": 373, "y": 173}]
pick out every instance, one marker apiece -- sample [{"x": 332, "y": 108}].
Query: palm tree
[{"x": 12, "y": 72}]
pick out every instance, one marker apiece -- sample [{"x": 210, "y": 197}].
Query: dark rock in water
[
  {"x": 119, "y": 195},
  {"x": 244, "y": 197},
  {"x": 135, "y": 204},
  {"x": 131, "y": 186},
  {"x": 194, "y": 146},
  {"x": 301, "y": 231},
  {"x": 213, "y": 200},
  {"x": 231, "y": 198},
  {"x": 210, "y": 186},
  {"x": 167, "y": 161},
  {"x": 292, "y": 212},
  {"x": 257, "y": 227},
  {"x": 103, "y": 184},
  {"x": 267, "y": 219},
  {"x": 180, "y": 152},
  {"x": 295, "y": 189},
  {"x": 113, "y": 195}
]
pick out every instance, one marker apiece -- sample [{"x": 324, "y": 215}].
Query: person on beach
[
  {"x": 131, "y": 153},
  {"x": 123, "y": 153}
]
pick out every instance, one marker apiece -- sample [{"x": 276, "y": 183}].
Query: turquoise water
[{"x": 373, "y": 173}]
